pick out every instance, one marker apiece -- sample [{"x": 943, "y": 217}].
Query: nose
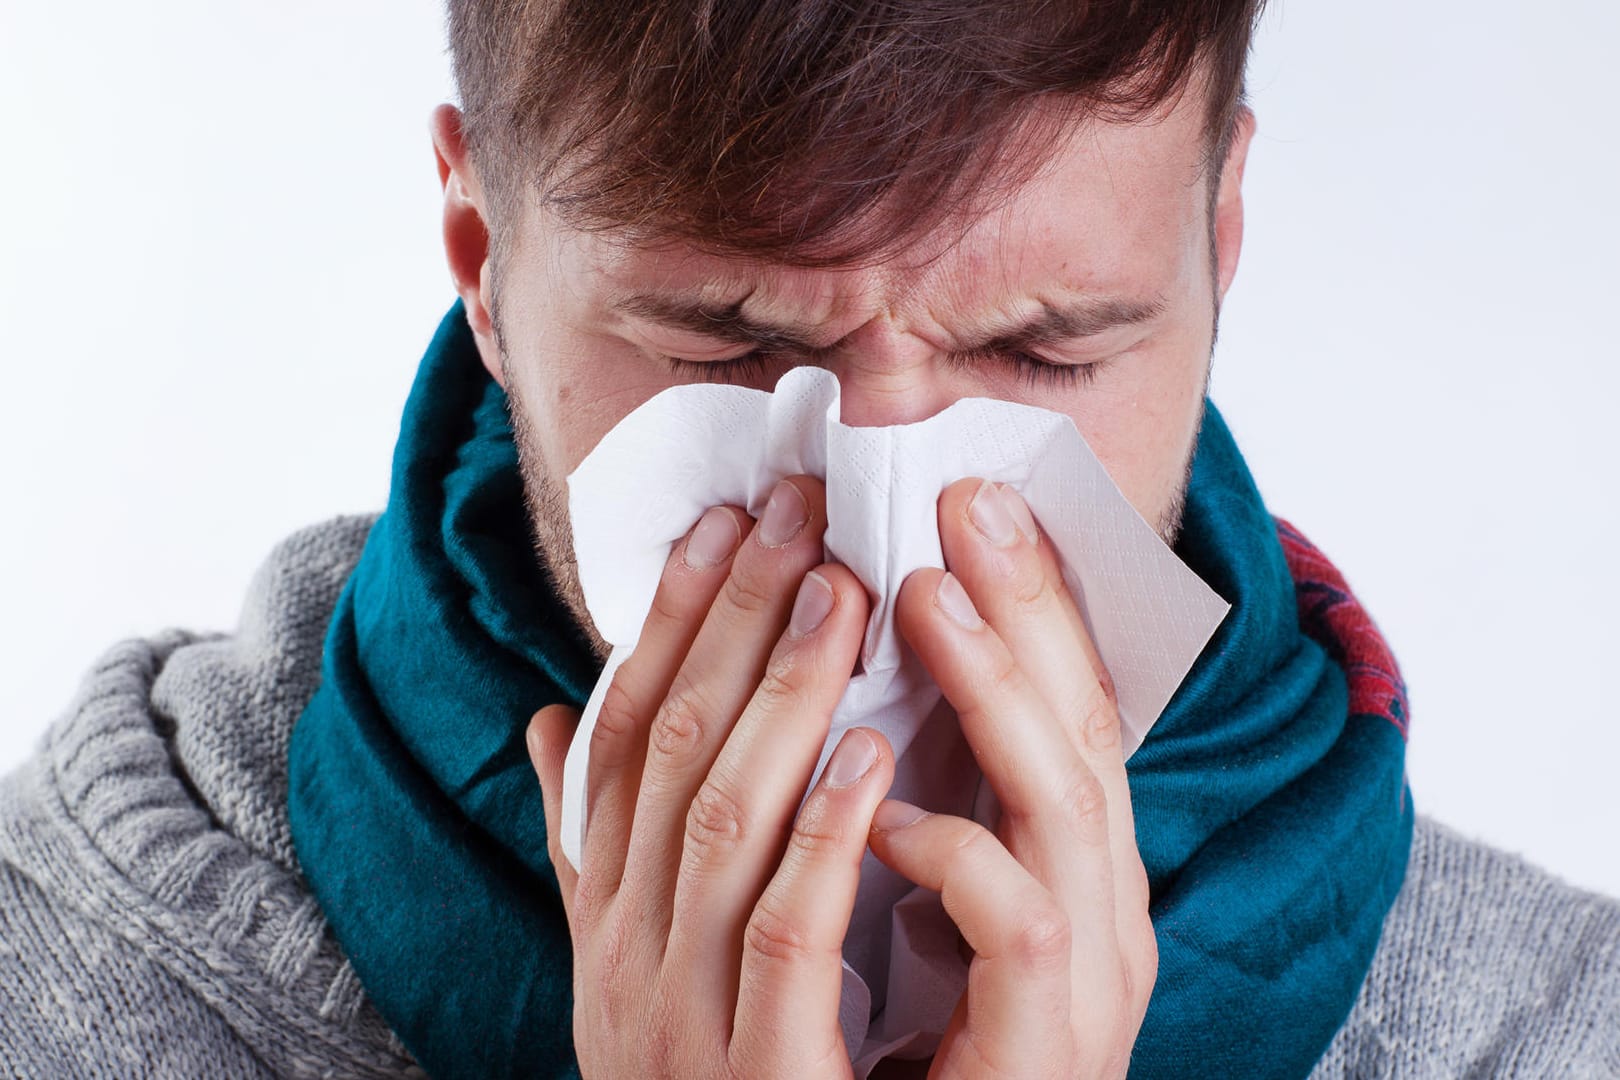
[{"x": 887, "y": 376}]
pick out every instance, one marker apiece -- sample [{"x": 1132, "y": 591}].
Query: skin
[{"x": 708, "y": 914}]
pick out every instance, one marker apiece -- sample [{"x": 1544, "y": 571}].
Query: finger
[
  {"x": 792, "y": 960},
  {"x": 1011, "y": 572},
  {"x": 1054, "y": 811},
  {"x": 741, "y": 817},
  {"x": 992, "y": 543},
  {"x": 1019, "y": 993},
  {"x": 1024, "y": 752},
  {"x": 550, "y": 731},
  {"x": 714, "y": 683},
  {"x": 693, "y": 576}
]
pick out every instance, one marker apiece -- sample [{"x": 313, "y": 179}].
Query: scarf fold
[{"x": 1271, "y": 804}]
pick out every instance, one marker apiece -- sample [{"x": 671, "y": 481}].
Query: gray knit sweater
[{"x": 153, "y": 921}]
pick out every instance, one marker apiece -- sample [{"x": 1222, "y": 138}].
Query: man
[{"x": 318, "y": 847}]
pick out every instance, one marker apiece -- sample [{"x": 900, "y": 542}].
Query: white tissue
[{"x": 691, "y": 447}]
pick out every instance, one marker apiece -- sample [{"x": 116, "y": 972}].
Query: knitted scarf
[{"x": 1271, "y": 804}]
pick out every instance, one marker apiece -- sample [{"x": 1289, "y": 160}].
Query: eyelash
[{"x": 1031, "y": 369}]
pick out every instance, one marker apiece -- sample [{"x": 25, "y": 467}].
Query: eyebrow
[{"x": 1053, "y": 324}]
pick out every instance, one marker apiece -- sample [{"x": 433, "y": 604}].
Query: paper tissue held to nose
[{"x": 691, "y": 447}]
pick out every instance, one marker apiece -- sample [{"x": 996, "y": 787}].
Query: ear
[
  {"x": 1229, "y": 202},
  {"x": 466, "y": 234}
]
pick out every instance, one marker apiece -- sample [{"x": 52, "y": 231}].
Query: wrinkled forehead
[{"x": 1110, "y": 208}]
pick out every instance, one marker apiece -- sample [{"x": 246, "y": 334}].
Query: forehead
[{"x": 1115, "y": 208}]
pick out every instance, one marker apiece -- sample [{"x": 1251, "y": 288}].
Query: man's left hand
[{"x": 1054, "y": 902}]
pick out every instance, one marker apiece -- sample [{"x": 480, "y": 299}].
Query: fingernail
[
  {"x": 854, "y": 756},
  {"x": 811, "y": 606},
  {"x": 714, "y": 539},
  {"x": 894, "y": 814},
  {"x": 990, "y": 516},
  {"x": 953, "y": 600},
  {"x": 1019, "y": 510},
  {"x": 785, "y": 514}
]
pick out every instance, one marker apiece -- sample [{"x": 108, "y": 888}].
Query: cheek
[
  {"x": 574, "y": 387},
  {"x": 570, "y": 384},
  {"x": 1141, "y": 422}
]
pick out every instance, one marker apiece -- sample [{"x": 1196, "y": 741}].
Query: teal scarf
[{"x": 1271, "y": 805}]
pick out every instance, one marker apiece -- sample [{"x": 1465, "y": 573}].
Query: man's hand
[
  {"x": 1054, "y": 904},
  {"x": 708, "y": 919}
]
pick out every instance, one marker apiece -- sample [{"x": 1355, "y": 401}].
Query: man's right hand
[{"x": 708, "y": 919}]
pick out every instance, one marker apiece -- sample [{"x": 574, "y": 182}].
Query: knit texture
[{"x": 153, "y": 922}]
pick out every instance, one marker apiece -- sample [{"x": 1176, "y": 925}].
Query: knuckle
[
  {"x": 1099, "y": 716},
  {"x": 1006, "y": 676},
  {"x": 750, "y": 592},
  {"x": 774, "y": 936},
  {"x": 667, "y": 610},
  {"x": 1105, "y": 683},
  {"x": 973, "y": 846},
  {"x": 1027, "y": 585},
  {"x": 819, "y": 834},
  {"x": 779, "y": 688},
  {"x": 1041, "y": 937},
  {"x": 1099, "y": 725},
  {"x": 679, "y": 728},
  {"x": 617, "y": 721},
  {"x": 1084, "y": 805},
  {"x": 716, "y": 823}
]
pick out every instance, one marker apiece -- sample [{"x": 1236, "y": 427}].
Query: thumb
[{"x": 550, "y": 731}]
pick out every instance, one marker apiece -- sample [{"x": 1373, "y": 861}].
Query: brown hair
[{"x": 769, "y": 127}]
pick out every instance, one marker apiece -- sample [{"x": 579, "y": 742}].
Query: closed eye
[{"x": 753, "y": 366}]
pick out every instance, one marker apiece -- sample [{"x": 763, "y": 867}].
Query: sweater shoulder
[
  {"x": 78, "y": 1000},
  {"x": 144, "y": 854},
  {"x": 1487, "y": 965},
  {"x": 229, "y": 703}
]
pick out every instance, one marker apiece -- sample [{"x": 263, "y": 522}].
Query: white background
[{"x": 221, "y": 263}]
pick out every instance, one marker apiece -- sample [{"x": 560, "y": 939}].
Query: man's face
[{"x": 1113, "y": 237}]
